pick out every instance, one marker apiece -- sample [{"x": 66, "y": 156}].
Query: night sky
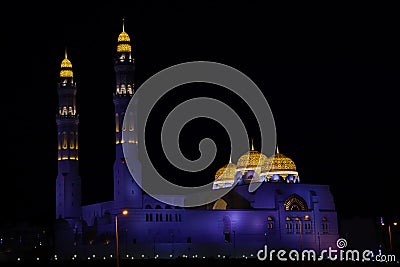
[{"x": 329, "y": 73}]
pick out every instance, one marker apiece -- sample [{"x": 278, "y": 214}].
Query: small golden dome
[
  {"x": 66, "y": 68},
  {"x": 252, "y": 160},
  {"x": 123, "y": 37},
  {"x": 281, "y": 165},
  {"x": 226, "y": 173},
  {"x": 123, "y": 43},
  {"x": 66, "y": 63}
]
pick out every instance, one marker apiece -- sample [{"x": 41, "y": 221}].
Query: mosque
[{"x": 282, "y": 212}]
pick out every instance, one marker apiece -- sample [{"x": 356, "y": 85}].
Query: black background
[{"x": 329, "y": 72}]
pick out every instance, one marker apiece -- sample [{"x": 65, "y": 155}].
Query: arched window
[
  {"x": 116, "y": 123},
  {"x": 129, "y": 89},
  {"x": 148, "y": 206},
  {"x": 295, "y": 202},
  {"x": 64, "y": 140},
  {"x": 123, "y": 89},
  {"x": 71, "y": 140},
  {"x": 76, "y": 142},
  {"x": 131, "y": 126},
  {"x": 158, "y": 207},
  {"x": 59, "y": 141},
  {"x": 270, "y": 218}
]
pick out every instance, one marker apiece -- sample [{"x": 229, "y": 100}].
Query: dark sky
[{"x": 330, "y": 75}]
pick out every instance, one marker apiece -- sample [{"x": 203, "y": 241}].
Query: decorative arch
[{"x": 295, "y": 202}]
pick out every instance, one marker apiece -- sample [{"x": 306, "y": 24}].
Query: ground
[{"x": 192, "y": 263}]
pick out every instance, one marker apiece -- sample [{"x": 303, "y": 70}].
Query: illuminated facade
[{"x": 282, "y": 212}]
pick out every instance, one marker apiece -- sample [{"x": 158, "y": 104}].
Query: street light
[{"x": 124, "y": 212}]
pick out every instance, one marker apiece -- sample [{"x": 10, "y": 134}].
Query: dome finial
[
  {"x": 123, "y": 24},
  {"x": 65, "y": 52},
  {"x": 230, "y": 158},
  {"x": 252, "y": 145},
  {"x": 277, "y": 149}
]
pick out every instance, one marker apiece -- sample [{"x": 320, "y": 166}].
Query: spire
[
  {"x": 252, "y": 145},
  {"x": 230, "y": 158},
  {"x": 66, "y": 55},
  {"x": 123, "y": 24},
  {"x": 277, "y": 149}
]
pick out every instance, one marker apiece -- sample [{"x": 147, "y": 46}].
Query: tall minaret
[
  {"x": 68, "y": 182},
  {"x": 127, "y": 193}
]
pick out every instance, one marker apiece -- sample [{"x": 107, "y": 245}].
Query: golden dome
[
  {"x": 123, "y": 37},
  {"x": 226, "y": 173},
  {"x": 66, "y": 68},
  {"x": 279, "y": 164},
  {"x": 66, "y": 63},
  {"x": 252, "y": 160}
]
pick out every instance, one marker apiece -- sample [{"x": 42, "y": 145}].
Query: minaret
[
  {"x": 127, "y": 193},
  {"x": 68, "y": 182}
]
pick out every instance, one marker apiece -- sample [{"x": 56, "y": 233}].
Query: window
[
  {"x": 64, "y": 140},
  {"x": 116, "y": 123},
  {"x": 71, "y": 140},
  {"x": 289, "y": 227},
  {"x": 131, "y": 127},
  {"x": 324, "y": 228},
  {"x": 130, "y": 89}
]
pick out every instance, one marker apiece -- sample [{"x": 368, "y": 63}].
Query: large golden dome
[
  {"x": 279, "y": 164},
  {"x": 252, "y": 160}
]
